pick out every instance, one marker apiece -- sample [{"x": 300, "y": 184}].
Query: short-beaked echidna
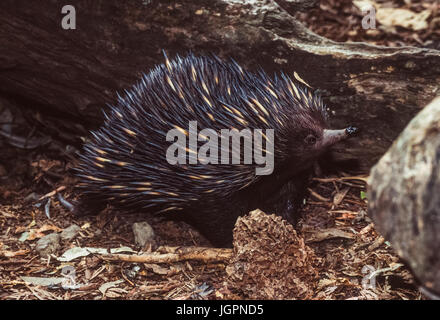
[{"x": 126, "y": 165}]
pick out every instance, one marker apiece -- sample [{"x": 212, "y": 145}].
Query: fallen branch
[{"x": 181, "y": 254}]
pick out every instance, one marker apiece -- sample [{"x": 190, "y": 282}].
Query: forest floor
[{"x": 334, "y": 224}]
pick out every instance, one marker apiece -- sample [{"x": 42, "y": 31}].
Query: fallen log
[
  {"x": 404, "y": 199},
  {"x": 61, "y": 79}
]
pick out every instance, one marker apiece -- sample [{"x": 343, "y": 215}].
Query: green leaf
[{"x": 363, "y": 195}]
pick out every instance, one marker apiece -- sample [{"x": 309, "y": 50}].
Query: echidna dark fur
[{"x": 125, "y": 165}]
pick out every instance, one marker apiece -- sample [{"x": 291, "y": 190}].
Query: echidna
[{"x": 126, "y": 163}]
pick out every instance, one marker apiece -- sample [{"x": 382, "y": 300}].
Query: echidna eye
[{"x": 310, "y": 139}]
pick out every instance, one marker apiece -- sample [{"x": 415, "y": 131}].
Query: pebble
[
  {"x": 70, "y": 232},
  {"x": 48, "y": 244}
]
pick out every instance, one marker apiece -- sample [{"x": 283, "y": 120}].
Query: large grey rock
[
  {"x": 404, "y": 195},
  {"x": 143, "y": 233}
]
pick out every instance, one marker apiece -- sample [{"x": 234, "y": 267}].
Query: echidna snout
[{"x": 331, "y": 137}]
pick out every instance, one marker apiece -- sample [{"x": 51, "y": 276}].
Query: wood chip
[{"x": 326, "y": 234}]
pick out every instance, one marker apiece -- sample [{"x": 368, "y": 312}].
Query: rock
[
  {"x": 70, "y": 232},
  {"x": 32, "y": 197},
  {"x": 48, "y": 244},
  {"x": 404, "y": 196},
  {"x": 270, "y": 260},
  {"x": 143, "y": 233}
]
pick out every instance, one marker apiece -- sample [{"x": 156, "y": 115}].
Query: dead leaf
[
  {"x": 396, "y": 17},
  {"x": 403, "y": 18},
  {"x": 329, "y": 234},
  {"x": 157, "y": 269},
  {"x": 11, "y": 254},
  {"x": 106, "y": 286},
  {"x": 337, "y": 199}
]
